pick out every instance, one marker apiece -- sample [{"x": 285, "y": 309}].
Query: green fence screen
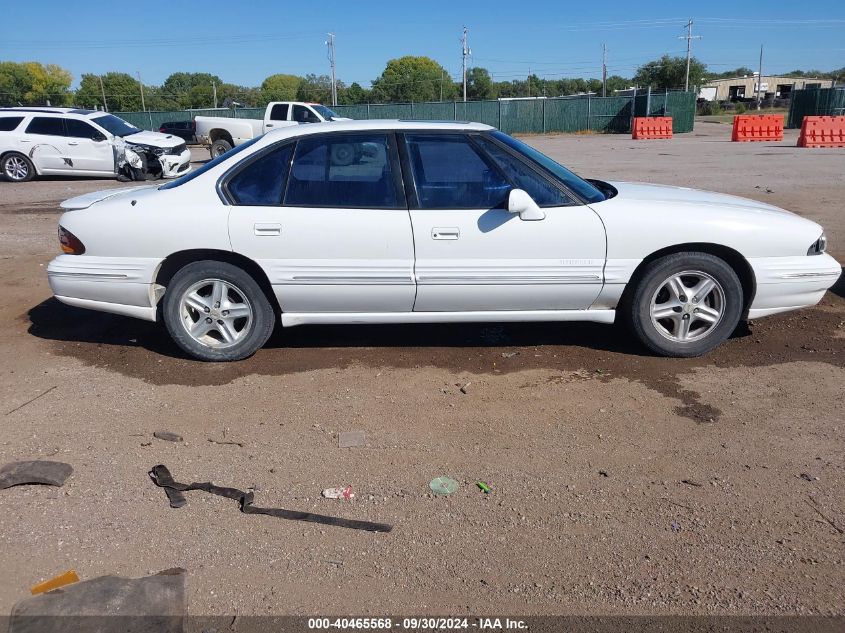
[
  {"x": 815, "y": 102},
  {"x": 515, "y": 116}
]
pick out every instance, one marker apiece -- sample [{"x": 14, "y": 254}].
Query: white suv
[{"x": 69, "y": 142}]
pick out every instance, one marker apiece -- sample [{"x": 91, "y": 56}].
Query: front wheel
[
  {"x": 215, "y": 311},
  {"x": 17, "y": 168},
  {"x": 685, "y": 304}
]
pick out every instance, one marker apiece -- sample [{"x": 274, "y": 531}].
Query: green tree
[
  {"x": 413, "y": 79},
  {"x": 316, "y": 88},
  {"x": 736, "y": 72},
  {"x": 32, "y": 83},
  {"x": 616, "y": 82},
  {"x": 190, "y": 90},
  {"x": 668, "y": 73},
  {"x": 123, "y": 91},
  {"x": 355, "y": 93},
  {"x": 280, "y": 87},
  {"x": 480, "y": 84}
]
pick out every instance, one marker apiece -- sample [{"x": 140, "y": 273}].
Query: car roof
[
  {"x": 48, "y": 110},
  {"x": 377, "y": 124}
]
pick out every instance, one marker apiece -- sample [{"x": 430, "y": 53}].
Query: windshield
[
  {"x": 115, "y": 125},
  {"x": 210, "y": 164},
  {"x": 325, "y": 112},
  {"x": 575, "y": 183}
]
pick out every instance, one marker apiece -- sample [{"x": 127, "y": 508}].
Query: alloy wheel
[
  {"x": 215, "y": 313},
  {"x": 687, "y": 306},
  {"x": 16, "y": 168}
]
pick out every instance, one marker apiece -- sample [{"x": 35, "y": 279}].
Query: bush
[{"x": 740, "y": 107}]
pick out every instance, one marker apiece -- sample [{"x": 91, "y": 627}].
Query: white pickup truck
[{"x": 223, "y": 133}]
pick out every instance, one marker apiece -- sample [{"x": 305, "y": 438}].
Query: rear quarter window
[{"x": 9, "y": 123}]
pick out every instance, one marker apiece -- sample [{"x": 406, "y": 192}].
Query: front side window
[
  {"x": 9, "y": 123},
  {"x": 262, "y": 181},
  {"x": 80, "y": 129},
  {"x": 51, "y": 126},
  {"x": 543, "y": 192},
  {"x": 450, "y": 173},
  {"x": 301, "y": 114},
  {"x": 573, "y": 182},
  {"x": 279, "y": 112},
  {"x": 342, "y": 170}
]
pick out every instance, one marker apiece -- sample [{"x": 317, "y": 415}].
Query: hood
[
  {"x": 684, "y": 196},
  {"x": 86, "y": 200},
  {"x": 154, "y": 139}
]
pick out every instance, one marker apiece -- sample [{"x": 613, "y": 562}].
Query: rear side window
[
  {"x": 262, "y": 181},
  {"x": 9, "y": 123},
  {"x": 346, "y": 171},
  {"x": 279, "y": 112},
  {"x": 544, "y": 193},
  {"x": 449, "y": 173},
  {"x": 46, "y": 125}
]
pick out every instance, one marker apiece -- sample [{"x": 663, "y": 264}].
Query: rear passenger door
[
  {"x": 326, "y": 219},
  {"x": 44, "y": 142}
]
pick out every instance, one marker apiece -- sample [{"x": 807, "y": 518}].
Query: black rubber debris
[
  {"x": 161, "y": 477},
  {"x": 34, "y": 472},
  {"x": 108, "y": 604}
]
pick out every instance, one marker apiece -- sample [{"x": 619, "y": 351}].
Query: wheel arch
[
  {"x": 176, "y": 261},
  {"x": 732, "y": 257},
  {"x": 20, "y": 153},
  {"x": 220, "y": 134}
]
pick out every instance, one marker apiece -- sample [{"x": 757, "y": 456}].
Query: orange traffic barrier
[
  {"x": 758, "y": 127},
  {"x": 822, "y": 131},
  {"x": 61, "y": 580},
  {"x": 647, "y": 127}
]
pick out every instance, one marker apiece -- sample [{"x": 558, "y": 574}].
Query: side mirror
[
  {"x": 98, "y": 136},
  {"x": 520, "y": 202}
]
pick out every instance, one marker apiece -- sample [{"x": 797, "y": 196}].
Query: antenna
[{"x": 689, "y": 37}]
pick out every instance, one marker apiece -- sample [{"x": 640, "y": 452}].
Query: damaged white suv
[{"x": 69, "y": 142}]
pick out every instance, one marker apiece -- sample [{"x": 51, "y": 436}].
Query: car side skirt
[
  {"x": 290, "y": 319},
  {"x": 138, "y": 312}
]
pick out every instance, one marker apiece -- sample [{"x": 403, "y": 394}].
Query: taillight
[
  {"x": 70, "y": 243},
  {"x": 161, "y": 129}
]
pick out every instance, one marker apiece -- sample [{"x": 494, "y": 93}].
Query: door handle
[
  {"x": 269, "y": 124},
  {"x": 445, "y": 233},
  {"x": 72, "y": 143},
  {"x": 262, "y": 229}
]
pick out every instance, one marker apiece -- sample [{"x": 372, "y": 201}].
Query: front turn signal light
[{"x": 70, "y": 243}]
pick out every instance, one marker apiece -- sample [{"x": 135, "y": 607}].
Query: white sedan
[{"x": 424, "y": 222}]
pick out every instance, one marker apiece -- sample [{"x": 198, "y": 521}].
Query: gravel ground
[{"x": 621, "y": 483}]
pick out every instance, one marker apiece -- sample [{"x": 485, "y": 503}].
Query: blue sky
[{"x": 243, "y": 42}]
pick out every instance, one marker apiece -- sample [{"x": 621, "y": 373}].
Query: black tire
[
  {"x": 13, "y": 164},
  {"x": 220, "y": 147},
  {"x": 248, "y": 334},
  {"x": 723, "y": 305}
]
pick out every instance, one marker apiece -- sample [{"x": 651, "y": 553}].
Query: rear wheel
[
  {"x": 685, "y": 304},
  {"x": 17, "y": 167},
  {"x": 217, "y": 312},
  {"x": 220, "y": 147}
]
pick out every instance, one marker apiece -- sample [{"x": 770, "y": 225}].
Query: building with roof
[{"x": 745, "y": 87}]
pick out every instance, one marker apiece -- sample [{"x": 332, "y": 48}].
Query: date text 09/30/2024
[{"x": 411, "y": 624}]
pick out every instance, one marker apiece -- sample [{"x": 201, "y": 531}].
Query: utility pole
[
  {"x": 214, "y": 90},
  {"x": 689, "y": 37},
  {"x": 760, "y": 77},
  {"x": 442, "y": 71},
  {"x": 464, "y": 54},
  {"x": 528, "y": 83},
  {"x": 141, "y": 83},
  {"x": 103, "y": 90},
  {"x": 604, "y": 70},
  {"x": 330, "y": 44}
]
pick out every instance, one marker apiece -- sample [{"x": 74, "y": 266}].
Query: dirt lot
[{"x": 622, "y": 483}]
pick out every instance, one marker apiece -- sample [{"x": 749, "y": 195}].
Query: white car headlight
[{"x": 819, "y": 246}]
